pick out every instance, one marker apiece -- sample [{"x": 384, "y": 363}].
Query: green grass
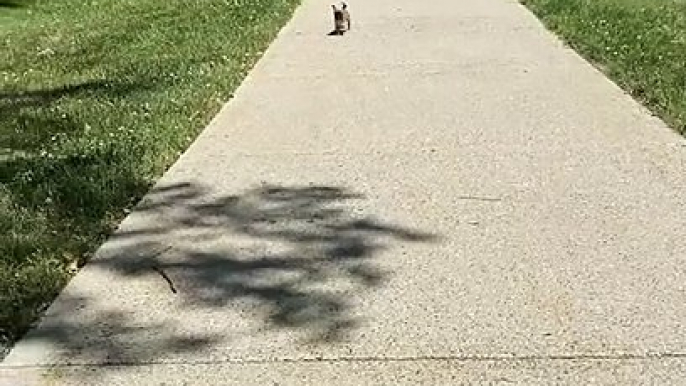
[
  {"x": 640, "y": 44},
  {"x": 97, "y": 99}
]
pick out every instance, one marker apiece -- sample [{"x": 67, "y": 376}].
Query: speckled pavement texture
[{"x": 445, "y": 195}]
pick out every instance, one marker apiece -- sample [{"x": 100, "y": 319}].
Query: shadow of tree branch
[
  {"x": 29, "y": 112},
  {"x": 12, "y": 3}
]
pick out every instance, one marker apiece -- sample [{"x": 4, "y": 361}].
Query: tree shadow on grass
[
  {"x": 28, "y": 122},
  {"x": 81, "y": 184},
  {"x": 11, "y": 100},
  {"x": 13, "y": 3},
  {"x": 268, "y": 259}
]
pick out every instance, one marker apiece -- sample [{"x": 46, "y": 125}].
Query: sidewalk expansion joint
[{"x": 373, "y": 359}]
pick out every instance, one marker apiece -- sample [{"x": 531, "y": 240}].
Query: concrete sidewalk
[{"x": 446, "y": 195}]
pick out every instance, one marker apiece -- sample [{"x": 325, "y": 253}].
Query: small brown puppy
[{"x": 341, "y": 20}]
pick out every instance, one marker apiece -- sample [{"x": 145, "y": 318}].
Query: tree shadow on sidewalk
[{"x": 281, "y": 257}]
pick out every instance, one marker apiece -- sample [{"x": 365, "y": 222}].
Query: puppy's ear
[{"x": 334, "y": 7}]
